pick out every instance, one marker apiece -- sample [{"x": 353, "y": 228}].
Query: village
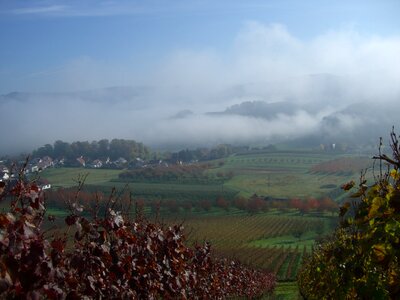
[{"x": 10, "y": 171}]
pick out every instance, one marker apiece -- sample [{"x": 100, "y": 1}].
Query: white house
[
  {"x": 97, "y": 163},
  {"x": 4, "y": 176},
  {"x": 45, "y": 186}
]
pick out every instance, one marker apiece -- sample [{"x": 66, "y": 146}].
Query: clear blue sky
[{"x": 38, "y": 38}]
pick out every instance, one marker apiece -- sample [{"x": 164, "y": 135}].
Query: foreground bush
[
  {"x": 109, "y": 257},
  {"x": 361, "y": 260}
]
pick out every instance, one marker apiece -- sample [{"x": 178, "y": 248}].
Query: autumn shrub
[
  {"x": 256, "y": 204},
  {"x": 205, "y": 205},
  {"x": 361, "y": 259},
  {"x": 240, "y": 203},
  {"x": 109, "y": 257},
  {"x": 221, "y": 202}
]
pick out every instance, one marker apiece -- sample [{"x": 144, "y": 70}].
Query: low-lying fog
[{"x": 268, "y": 86}]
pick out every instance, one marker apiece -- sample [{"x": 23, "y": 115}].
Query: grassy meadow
[{"x": 67, "y": 177}]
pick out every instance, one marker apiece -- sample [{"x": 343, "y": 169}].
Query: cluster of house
[
  {"x": 4, "y": 172},
  {"x": 37, "y": 165},
  {"x": 98, "y": 163},
  {"x": 120, "y": 163},
  {"x": 11, "y": 178},
  {"x": 40, "y": 164}
]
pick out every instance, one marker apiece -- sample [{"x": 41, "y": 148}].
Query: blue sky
[
  {"x": 130, "y": 40},
  {"x": 167, "y": 56}
]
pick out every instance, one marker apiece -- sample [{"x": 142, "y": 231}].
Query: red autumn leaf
[{"x": 71, "y": 220}]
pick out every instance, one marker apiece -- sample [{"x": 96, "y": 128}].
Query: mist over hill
[
  {"x": 163, "y": 118},
  {"x": 260, "y": 109},
  {"x": 266, "y": 85}
]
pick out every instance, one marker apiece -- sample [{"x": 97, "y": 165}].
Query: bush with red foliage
[
  {"x": 187, "y": 205},
  {"x": 241, "y": 203},
  {"x": 221, "y": 202},
  {"x": 172, "y": 206},
  {"x": 256, "y": 204},
  {"x": 109, "y": 257},
  {"x": 205, "y": 205}
]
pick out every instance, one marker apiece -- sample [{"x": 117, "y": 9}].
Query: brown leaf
[{"x": 349, "y": 185}]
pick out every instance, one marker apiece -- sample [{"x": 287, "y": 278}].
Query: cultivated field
[
  {"x": 278, "y": 175},
  {"x": 286, "y": 174},
  {"x": 265, "y": 240},
  {"x": 66, "y": 177},
  {"x": 104, "y": 180}
]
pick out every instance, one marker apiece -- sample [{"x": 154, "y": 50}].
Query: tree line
[
  {"x": 191, "y": 173},
  {"x": 114, "y": 149},
  {"x": 130, "y": 150},
  {"x": 202, "y": 154}
]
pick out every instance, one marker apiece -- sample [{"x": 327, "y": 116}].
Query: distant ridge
[{"x": 260, "y": 109}]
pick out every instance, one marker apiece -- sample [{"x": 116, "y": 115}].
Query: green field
[
  {"x": 104, "y": 180},
  {"x": 66, "y": 177},
  {"x": 281, "y": 174},
  {"x": 287, "y": 184},
  {"x": 305, "y": 241},
  {"x": 278, "y": 175},
  {"x": 286, "y": 291}
]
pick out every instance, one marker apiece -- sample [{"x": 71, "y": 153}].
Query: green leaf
[
  {"x": 376, "y": 205},
  {"x": 392, "y": 228}
]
